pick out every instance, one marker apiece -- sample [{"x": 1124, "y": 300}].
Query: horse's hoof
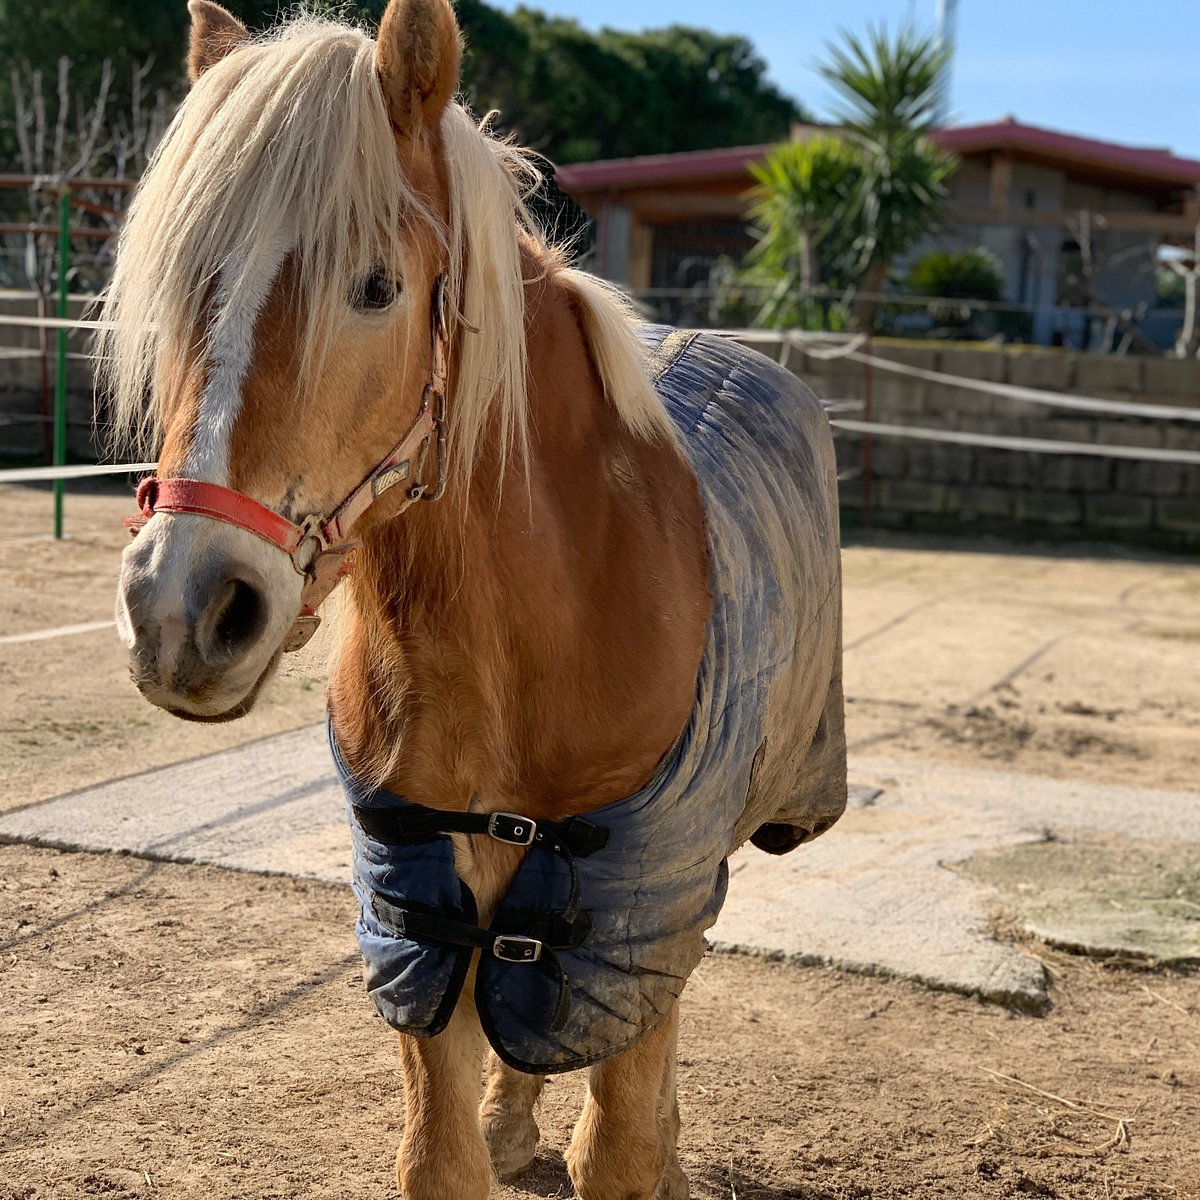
[
  {"x": 674, "y": 1184},
  {"x": 512, "y": 1143}
]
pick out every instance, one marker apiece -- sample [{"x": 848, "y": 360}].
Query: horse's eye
[{"x": 377, "y": 291}]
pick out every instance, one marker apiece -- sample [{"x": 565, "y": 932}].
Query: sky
[{"x": 1120, "y": 70}]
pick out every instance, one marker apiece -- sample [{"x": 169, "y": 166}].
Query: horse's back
[{"x": 761, "y": 447}]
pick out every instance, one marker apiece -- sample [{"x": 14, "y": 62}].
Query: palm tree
[
  {"x": 888, "y": 93},
  {"x": 887, "y": 88},
  {"x": 804, "y": 205},
  {"x": 836, "y": 211}
]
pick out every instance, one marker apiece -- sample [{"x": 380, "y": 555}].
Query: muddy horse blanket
[{"x": 605, "y": 918}]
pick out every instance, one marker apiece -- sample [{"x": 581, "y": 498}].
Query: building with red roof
[{"x": 1051, "y": 206}]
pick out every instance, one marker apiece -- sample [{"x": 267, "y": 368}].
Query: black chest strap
[
  {"x": 516, "y": 936},
  {"x": 416, "y": 823},
  {"x": 538, "y": 930}
]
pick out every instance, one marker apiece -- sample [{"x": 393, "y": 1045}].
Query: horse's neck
[{"x": 540, "y": 653}]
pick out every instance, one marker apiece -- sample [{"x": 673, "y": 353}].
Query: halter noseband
[{"x": 335, "y": 547}]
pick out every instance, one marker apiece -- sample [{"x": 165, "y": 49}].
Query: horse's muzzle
[{"x": 200, "y": 619}]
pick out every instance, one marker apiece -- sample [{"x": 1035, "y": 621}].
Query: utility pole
[{"x": 947, "y": 19}]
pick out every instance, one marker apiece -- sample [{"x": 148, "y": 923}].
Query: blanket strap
[
  {"x": 540, "y": 930},
  {"x": 416, "y": 823}
]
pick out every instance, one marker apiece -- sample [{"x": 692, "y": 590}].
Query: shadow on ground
[{"x": 548, "y": 1178}]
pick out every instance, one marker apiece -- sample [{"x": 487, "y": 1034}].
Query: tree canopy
[
  {"x": 574, "y": 95},
  {"x": 565, "y": 91}
]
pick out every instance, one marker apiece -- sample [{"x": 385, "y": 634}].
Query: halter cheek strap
[{"x": 333, "y": 556}]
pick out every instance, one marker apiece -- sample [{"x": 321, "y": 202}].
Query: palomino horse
[{"x": 591, "y": 641}]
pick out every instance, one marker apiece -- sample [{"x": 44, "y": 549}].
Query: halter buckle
[
  {"x": 439, "y": 449},
  {"x": 301, "y": 632}
]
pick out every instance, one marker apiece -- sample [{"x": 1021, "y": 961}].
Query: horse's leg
[
  {"x": 509, "y": 1129},
  {"x": 442, "y": 1155},
  {"x": 674, "y": 1184},
  {"x": 623, "y": 1145}
]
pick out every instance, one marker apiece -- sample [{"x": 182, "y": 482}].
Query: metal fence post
[{"x": 60, "y": 382}]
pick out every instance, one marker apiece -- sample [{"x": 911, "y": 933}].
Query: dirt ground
[
  {"x": 196, "y": 1033},
  {"x": 69, "y": 716},
  {"x": 191, "y": 1032}
]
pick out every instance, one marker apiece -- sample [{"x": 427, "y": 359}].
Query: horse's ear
[
  {"x": 417, "y": 56},
  {"x": 215, "y": 33}
]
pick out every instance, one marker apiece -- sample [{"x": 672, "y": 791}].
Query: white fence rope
[
  {"x": 1167, "y": 412},
  {"x": 42, "y": 635},
  {"x": 796, "y": 339},
  {"x": 52, "y": 322},
  {"x": 49, "y": 352},
  {"x": 823, "y": 346},
  {"x": 843, "y": 346},
  {"x": 1035, "y": 445},
  {"x": 42, "y": 474},
  {"x": 875, "y": 428}
]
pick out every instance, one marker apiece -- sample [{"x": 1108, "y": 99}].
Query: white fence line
[
  {"x": 13, "y": 353},
  {"x": 1165, "y": 412},
  {"x": 42, "y": 474},
  {"x": 1034, "y": 445},
  {"x": 874, "y": 428},
  {"x": 42, "y": 635},
  {"x": 52, "y": 322},
  {"x": 796, "y": 339},
  {"x": 841, "y": 346},
  {"x": 845, "y": 346}
]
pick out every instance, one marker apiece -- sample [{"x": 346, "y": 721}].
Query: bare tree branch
[
  {"x": 24, "y": 118},
  {"x": 39, "y": 122},
  {"x": 64, "y": 113},
  {"x": 87, "y": 151}
]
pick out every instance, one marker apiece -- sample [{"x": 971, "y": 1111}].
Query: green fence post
[{"x": 60, "y": 382}]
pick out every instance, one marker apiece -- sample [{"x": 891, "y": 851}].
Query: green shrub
[{"x": 958, "y": 275}]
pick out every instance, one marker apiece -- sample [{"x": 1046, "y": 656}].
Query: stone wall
[{"x": 904, "y": 483}]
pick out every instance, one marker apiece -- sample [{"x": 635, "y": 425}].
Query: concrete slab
[
  {"x": 892, "y": 890},
  {"x": 1103, "y": 896},
  {"x": 907, "y": 884},
  {"x": 273, "y": 806}
]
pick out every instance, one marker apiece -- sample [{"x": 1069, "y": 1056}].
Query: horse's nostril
[{"x": 238, "y": 617}]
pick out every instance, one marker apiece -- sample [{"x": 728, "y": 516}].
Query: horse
[{"x": 590, "y": 638}]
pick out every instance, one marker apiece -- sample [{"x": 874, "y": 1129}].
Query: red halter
[{"x": 335, "y": 547}]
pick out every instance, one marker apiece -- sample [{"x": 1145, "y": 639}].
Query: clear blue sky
[{"x": 1123, "y": 70}]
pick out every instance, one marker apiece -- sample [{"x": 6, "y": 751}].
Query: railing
[{"x": 68, "y": 201}]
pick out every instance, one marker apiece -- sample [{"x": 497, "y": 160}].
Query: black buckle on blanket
[
  {"x": 516, "y": 948},
  {"x": 580, "y": 837},
  {"x": 511, "y": 828},
  {"x": 544, "y": 930}
]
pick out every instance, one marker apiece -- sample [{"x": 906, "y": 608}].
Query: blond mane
[{"x": 289, "y": 136}]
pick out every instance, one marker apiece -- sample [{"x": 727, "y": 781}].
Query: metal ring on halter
[{"x": 312, "y": 529}]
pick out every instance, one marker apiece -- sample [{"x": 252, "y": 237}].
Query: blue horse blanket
[{"x": 621, "y": 927}]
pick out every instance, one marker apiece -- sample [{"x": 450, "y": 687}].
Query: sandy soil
[
  {"x": 1062, "y": 661},
  {"x": 69, "y": 716},
  {"x": 189, "y": 1032},
  {"x": 169, "y": 1031}
]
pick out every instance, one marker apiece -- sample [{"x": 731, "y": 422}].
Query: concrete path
[{"x": 916, "y": 880}]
